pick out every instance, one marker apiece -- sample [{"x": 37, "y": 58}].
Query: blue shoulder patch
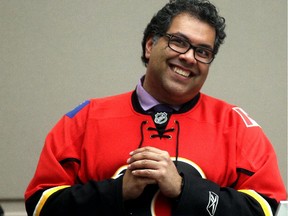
[{"x": 73, "y": 112}]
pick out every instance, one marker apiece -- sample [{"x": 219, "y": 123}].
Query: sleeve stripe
[
  {"x": 46, "y": 194},
  {"x": 263, "y": 203}
]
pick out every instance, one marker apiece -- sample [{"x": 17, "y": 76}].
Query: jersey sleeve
[
  {"x": 258, "y": 188},
  {"x": 55, "y": 188},
  {"x": 92, "y": 198}
]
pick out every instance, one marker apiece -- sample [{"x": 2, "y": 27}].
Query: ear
[{"x": 148, "y": 47}]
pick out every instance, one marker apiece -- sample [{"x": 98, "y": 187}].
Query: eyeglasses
[{"x": 182, "y": 46}]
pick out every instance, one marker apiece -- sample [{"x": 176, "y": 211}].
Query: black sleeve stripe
[
  {"x": 67, "y": 160},
  {"x": 244, "y": 171}
]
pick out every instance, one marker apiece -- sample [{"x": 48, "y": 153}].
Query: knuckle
[
  {"x": 146, "y": 148},
  {"x": 166, "y": 154},
  {"x": 148, "y": 172},
  {"x": 144, "y": 154},
  {"x": 145, "y": 162}
]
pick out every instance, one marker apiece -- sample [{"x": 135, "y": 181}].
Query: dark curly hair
[{"x": 201, "y": 9}]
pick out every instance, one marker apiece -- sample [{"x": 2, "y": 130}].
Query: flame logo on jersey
[{"x": 153, "y": 203}]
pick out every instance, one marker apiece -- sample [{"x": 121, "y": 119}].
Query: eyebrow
[{"x": 181, "y": 35}]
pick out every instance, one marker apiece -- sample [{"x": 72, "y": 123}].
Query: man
[{"x": 126, "y": 155}]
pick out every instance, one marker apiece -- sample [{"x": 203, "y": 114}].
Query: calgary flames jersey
[{"x": 228, "y": 165}]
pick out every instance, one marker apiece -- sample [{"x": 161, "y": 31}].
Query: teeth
[{"x": 181, "y": 72}]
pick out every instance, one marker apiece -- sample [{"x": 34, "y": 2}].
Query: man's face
[{"x": 175, "y": 78}]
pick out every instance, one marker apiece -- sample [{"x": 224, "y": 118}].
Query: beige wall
[{"x": 55, "y": 54}]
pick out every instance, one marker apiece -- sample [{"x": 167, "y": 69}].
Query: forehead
[{"x": 197, "y": 31}]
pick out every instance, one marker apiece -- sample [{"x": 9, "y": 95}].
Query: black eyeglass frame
[{"x": 194, "y": 48}]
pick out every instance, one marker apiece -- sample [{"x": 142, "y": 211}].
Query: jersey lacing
[{"x": 162, "y": 133}]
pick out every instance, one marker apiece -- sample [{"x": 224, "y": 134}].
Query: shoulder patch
[
  {"x": 249, "y": 122},
  {"x": 73, "y": 112}
]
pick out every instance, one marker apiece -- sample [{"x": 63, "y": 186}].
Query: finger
[
  {"x": 145, "y": 174},
  {"x": 144, "y": 156},
  {"x": 149, "y": 154},
  {"x": 144, "y": 164},
  {"x": 146, "y": 149}
]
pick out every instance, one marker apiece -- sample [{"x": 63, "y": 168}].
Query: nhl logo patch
[{"x": 160, "y": 117}]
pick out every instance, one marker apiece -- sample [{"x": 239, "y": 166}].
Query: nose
[{"x": 189, "y": 56}]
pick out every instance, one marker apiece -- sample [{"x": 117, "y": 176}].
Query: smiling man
[
  {"x": 172, "y": 77},
  {"x": 164, "y": 148}
]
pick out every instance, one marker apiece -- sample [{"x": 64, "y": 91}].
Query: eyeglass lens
[{"x": 182, "y": 46}]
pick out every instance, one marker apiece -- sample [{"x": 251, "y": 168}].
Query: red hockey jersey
[{"x": 228, "y": 164}]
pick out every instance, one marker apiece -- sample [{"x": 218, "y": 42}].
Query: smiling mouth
[{"x": 182, "y": 72}]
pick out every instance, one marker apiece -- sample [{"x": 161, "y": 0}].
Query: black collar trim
[{"x": 186, "y": 107}]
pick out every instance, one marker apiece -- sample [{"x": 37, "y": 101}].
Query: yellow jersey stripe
[
  {"x": 264, "y": 204},
  {"x": 46, "y": 194}
]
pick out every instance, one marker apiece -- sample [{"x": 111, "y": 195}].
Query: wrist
[{"x": 181, "y": 187}]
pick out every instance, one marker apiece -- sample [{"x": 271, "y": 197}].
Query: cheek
[
  {"x": 204, "y": 69},
  {"x": 158, "y": 58}
]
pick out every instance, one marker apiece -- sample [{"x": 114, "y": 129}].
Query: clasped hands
[{"x": 149, "y": 165}]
